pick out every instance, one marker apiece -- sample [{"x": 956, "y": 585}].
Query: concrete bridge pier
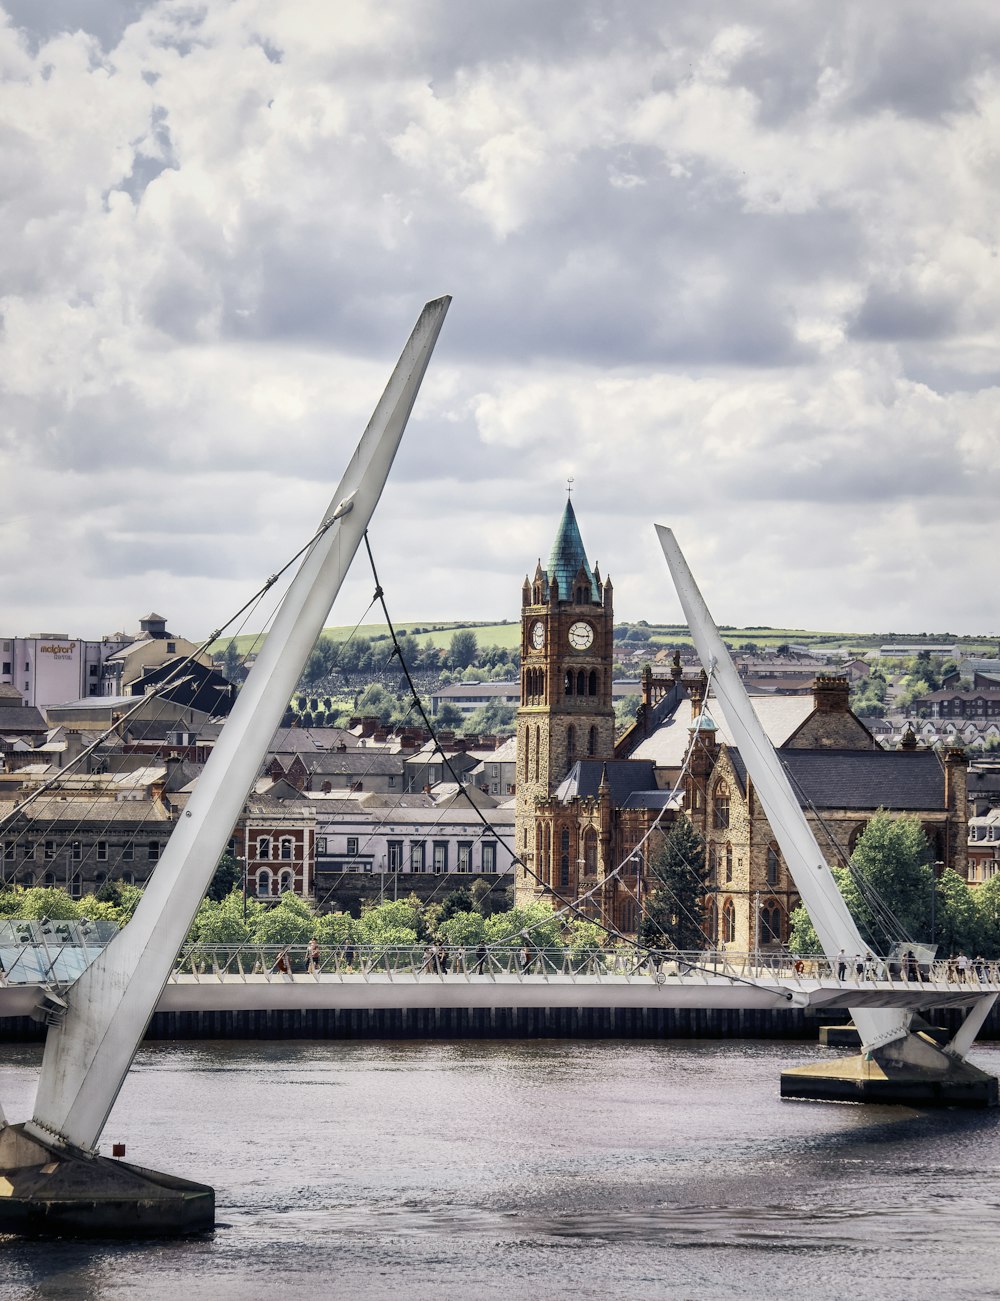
[
  {"x": 913, "y": 1070},
  {"x": 59, "y": 1190}
]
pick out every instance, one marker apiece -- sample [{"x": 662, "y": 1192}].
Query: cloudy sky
[{"x": 731, "y": 266}]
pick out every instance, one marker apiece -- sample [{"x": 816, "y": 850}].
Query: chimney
[{"x": 831, "y": 693}]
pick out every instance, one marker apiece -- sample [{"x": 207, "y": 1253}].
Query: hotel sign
[{"x": 58, "y": 648}]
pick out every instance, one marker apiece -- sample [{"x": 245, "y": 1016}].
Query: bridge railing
[{"x": 221, "y": 962}]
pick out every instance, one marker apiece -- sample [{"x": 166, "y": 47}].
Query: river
[{"x": 530, "y": 1170}]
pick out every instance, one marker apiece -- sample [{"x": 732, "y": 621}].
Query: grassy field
[{"x": 508, "y": 636}]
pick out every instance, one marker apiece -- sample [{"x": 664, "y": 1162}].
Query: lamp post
[{"x": 935, "y": 872}]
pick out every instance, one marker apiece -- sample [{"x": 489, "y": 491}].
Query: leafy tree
[
  {"x": 124, "y": 897},
  {"x": 228, "y": 876},
  {"x": 673, "y": 914},
  {"x": 890, "y": 873},
  {"x": 449, "y": 717},
  {"x": 232, "y": 664},
  {"x": 543, "y": 928},
  {"x": 48, "y": 901},
  {"x": 221, "y": 921},
  {"x": 802, "y": 934},
  {"x": 394, "y": 922},
  {"x": 429, "y": 659},
  {"x": 464, "y": 649},
  {"x": 336, "y": 928},
  {"x": 625, "y": 711},
  {"x": 987, "y": 900},
  {"x": 585, "y": 939},
  {"x": 352, "y": 653},
  {"x": 494, "y": 719},
  {"x": 457, "y": 901},
  {"x": 466, "y": 928},
  {"x": 487, "y": 899},
  {"x": 322, "y": 661},
  {"x": 291, "y": 921},
  {"x": 958, "y": 922}
]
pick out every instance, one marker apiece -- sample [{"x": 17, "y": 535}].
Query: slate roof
[
  {"x": 780, "y": 717},
  {"x": 898, "y": 780},
  {"x": 17, "y": 720},
  {"x": 625, "y": 777},
  {"x": 354, "y": 763},
  {"x": 568, "y": 555}
]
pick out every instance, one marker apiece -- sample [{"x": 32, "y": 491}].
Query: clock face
[
  {"x": 581, "y": 635},
  {"x": 538, "y": 635}
]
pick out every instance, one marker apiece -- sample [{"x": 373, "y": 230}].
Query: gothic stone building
[
  {"x": 842, "y": 777},
  {"x": 585, "y": 800},
  {"x": 580, "y": 811}
]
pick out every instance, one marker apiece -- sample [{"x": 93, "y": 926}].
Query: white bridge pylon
[
  {"x": 88, "y": 1053},
  {"x": 836, "y": 928}
]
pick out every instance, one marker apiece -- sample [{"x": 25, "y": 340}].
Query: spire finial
[{"x": 569, "y": 486}]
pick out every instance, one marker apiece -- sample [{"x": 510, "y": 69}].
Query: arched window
[
  {"x": 590, "y": 851},
  {"x": 713, "y": 864},
  {"x": 729, "y": 862},
  {"x": 286, "y": 881},
  {"x": 128, "y": 878},
  {"x": 264, "y": 847},
  {"x": 729, "y": 922},
  {"x": 541, "y": 684},
  {"x": 581, "y": 596},
  {"x": 773, "y": 864},
  {"x": 592, "y": 740},
  {"x": 49, "y": 880},
  {"x": 770, "y": 923},
  {"x": 539, "y": 850},
  {"x": 264, "y": 882},
  {"x": 569, "y": 683},
  {"x": 581, "y": 683},
  {"x": 286, "y": 848},
  {"x": 855, "y": 836},
  {"x": 538, "y": 746},
  {"x": 592, "y": 683},
  {"x": 527, "y": 754},
  {"x": 712, "y": 922},
  {"x": 547, "y": 874},
  {"x": 721, "y": 805},
  {"x": 564, "y": 858},
  {"x": 571, "y": 742}
]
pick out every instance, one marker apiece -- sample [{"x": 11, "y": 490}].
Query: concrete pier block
[
  {"x": 47, "y": 1190},
  {"x": 913, "y": 1072}
]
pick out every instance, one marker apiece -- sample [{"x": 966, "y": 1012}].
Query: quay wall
[{"x": 495, "y": 1023}]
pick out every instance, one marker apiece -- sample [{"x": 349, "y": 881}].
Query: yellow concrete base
[{"x": 881, "y": 1078}]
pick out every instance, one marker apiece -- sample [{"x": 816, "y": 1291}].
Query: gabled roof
[
  {"x": 625, "y": 777},
  {"x": 17, "y": 720},
  {"x": 568, "y": 555},
  {"x": 780, "y": 717},
  {"x": 899, "y": 781}
]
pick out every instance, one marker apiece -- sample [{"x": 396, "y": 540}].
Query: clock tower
[{"x": 566, "y": 713}]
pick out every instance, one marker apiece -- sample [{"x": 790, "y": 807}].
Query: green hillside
[{"x": 508, "y": 636}]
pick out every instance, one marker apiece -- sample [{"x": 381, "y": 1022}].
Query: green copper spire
[{"x": 568, "y": 555}]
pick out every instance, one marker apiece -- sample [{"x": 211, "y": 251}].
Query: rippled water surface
[{"x": 534, "y": 1170}]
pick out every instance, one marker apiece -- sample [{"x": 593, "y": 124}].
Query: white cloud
[{"x": 730, "y": 266}]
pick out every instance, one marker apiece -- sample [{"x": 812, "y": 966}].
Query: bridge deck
[{"x": 222, "y": 992}]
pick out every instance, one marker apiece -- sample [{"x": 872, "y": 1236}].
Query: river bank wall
[{"x": 494, "y": 1023}]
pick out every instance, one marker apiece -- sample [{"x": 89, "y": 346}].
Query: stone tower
[{"x": 566, "y": 711}]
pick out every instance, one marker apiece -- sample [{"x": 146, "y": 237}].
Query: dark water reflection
[{"x": 545, "y": 1169}]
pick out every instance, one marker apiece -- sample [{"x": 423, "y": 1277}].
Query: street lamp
[{"x": 936, "y": 869}]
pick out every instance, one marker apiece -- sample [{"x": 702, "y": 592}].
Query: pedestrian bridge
[{"x": 267, "y": 978}]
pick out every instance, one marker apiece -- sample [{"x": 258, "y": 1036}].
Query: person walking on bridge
[{"x": 312, "y": 955}]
